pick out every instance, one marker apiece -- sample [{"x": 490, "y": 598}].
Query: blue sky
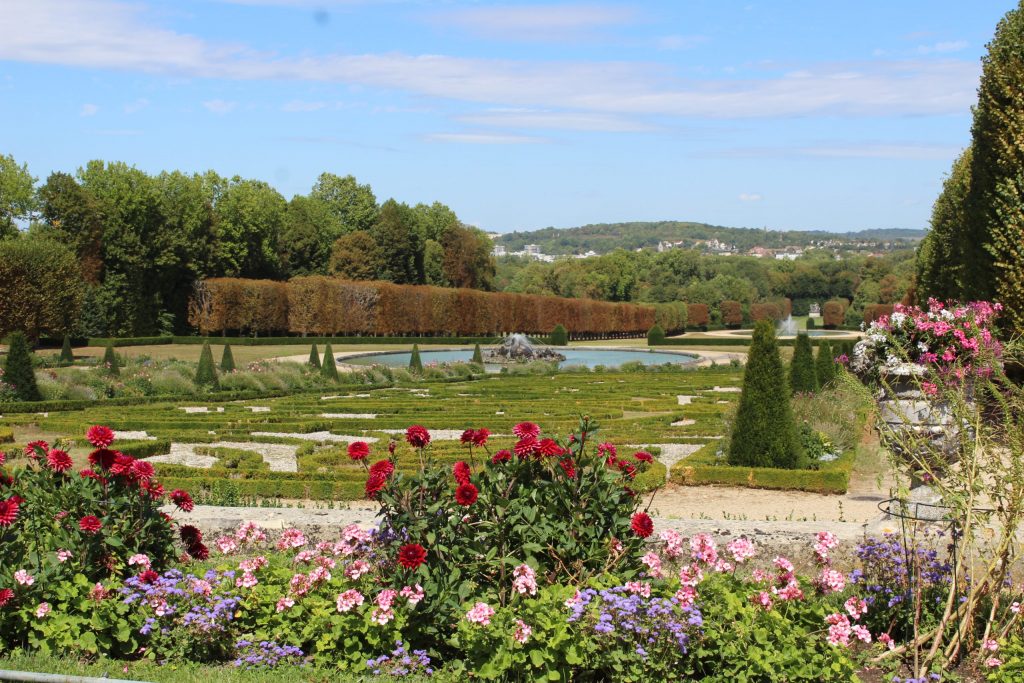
[{"x": 786, "y": 114}]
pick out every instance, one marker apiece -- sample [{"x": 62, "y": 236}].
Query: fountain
[
  {"x": 517, "y": 348},
  {"x": 786, "y": 328}
]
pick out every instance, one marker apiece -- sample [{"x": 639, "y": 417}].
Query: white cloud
[
  {"x": 88, "y": 110},
  {"x": 484, "y": 138},
  {"x": 106, "y": 34},
  {"x": 942, "y": 48},
  {"x": 680, "y": 42},
  {"x": 750, "y": 197},
  {"x": 220, "y": 106},
  {"x": 136, "y": 106},
  {"x": 552, "y": 120},
  {"x": 534, "y": 22},
  {"x": 302, "y": 106}
]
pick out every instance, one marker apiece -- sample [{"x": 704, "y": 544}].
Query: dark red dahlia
[
  {"x": 480, "y": 436},
  {"x": 36, "y": 449},
  {"x": 460, "y": 471},
  {"x": 417, "y": 436},
  {"x": 190, "y": 535},
  {"x": 411, "y": 555},
  {"x": 549, "y": 447},
  {"x": 606, "y": 449},
  {"x": 569, "y": 467},
  {"x": 628, "y": 468},
  {"x": 504, "y": 455},
  {"x": 181, "y": 498},
  {"x": 155, "y": 489},
  {"x": 642, "y": 525},
  {"x": 385, "y": 468},
  {"x": 122, "y": 464},
  {"x": 102, "y": 458},
  {"x": 141, "y": 470},
  {"x": 9, "y": 511},
  {"x": 525, "y": 447},
  {"x": 644, "y": 456},
  {"x": 375, "y": 483},
  {"x": 100, "y": 436},
  {"x": 358, "y": 450},
  {"x": 148, "y": 576},
  {"x": 199, "y": 551},
  {"x": 466, "y": 494},
  {"x": 467, "y": 436},
  {"x": 6, "y": 595},
  {"x": 525, "y": 429},
  {"x": 90, "y": 524},
  {"x": 3, "y": 457}
]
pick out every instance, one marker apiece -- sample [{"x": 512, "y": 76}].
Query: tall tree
[
  {"x": 467, "y": 258},
  {"x": 940, "y": 259},
  {"x": 352, "y": 205},
  {"x": 17, "y": 196},
  {"x": 356, "y": 256},
  {"x": 309, "y": 232},
  {"x": 18, "y": 369},
  {"x": 75, "y": 217},
  {"x": 41, "y": 288},
  {"x": 401, "y": 253},
  {"x": 250, "y": 215},
  {"x": 803, "y": 378}
]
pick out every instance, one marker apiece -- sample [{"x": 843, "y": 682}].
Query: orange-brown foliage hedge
[{"x": 732, "y": 313}]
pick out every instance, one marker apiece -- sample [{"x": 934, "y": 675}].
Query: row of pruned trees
[{"x": 328, "y": 306}]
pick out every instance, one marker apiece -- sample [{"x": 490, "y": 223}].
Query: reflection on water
[{"x": 587, "y": 357}]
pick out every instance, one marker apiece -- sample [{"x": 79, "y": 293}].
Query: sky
[{"x": 788, "y": 114}]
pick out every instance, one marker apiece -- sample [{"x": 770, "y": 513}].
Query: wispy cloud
[
  {"x": 106, "y": 34},
  {"x": 942, "y": 48},
  {"x": 552, "y": 120},
  {"x": 302, "y": 106},
  {"x": 750, "y": 197},
  {"x": 534, "y": 22},
  {"x": 485, "y": 138},
  {"x": 680, "y": 42},
  {"x": 88, "y": 110},
  {"x": 220, "y": 106},
  {"x": 867, "y": 150},
  {"x": 136, "y": 106}
]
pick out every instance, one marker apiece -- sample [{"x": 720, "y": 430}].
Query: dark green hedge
[{"x": 725, "y": 341}]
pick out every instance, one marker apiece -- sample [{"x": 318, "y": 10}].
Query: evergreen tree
[
  {"x": 559, "y": 337},
  {"x": 66, "y": 355},
  {"x": 110, "y": 362},
  {"x": 227, "y": 360},
  {"x": 478, "y": 356},
  {"x": 824, "y": 364},
  {"x": 802, "y": 379},
  {"x": 18, "y": 370},
  {"x": 314, "y": 357},
  {"x": 328, "y": 369},
  {"x": 415, "y": 364},
  {"x": 939, "y": 256},
  {"x": 206, "y": 373},
  {"x": 655, "y": 335},
  {"x": 764, "y": 433}
]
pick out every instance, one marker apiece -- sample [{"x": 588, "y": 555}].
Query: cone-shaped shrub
[
  {"x": 328, "y": 369},
  {"x": 478, "y": 356},
  {"x": 314, "y": 357},
  {"x": 110, "y": 363},
  {"x": 764, "y": 433},
  {"x": 802, "y": 379},
  {"x": 655, "y": 335},
  {"x": 227, "y": 360},
  {"x": 415, "y": 364},
  {"x": 18, "y": 370},
  {"x": 824, "y": 364},
  {"x": 206, "y": 373},
  {"x": 559, "y": 337},
  {"x": 66, "y": 356}
]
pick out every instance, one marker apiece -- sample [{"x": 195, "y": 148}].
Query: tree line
[{"x": 141, "y": 241}]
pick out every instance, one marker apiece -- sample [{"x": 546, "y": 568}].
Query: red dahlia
[
  {"x": 549, "y": 447},
  {"x": 466, "y": 494},
  {"x": 3, "y": 457},
  {"x": 199, "y": 551},
  {"x": 6, "y": 595},
  {"x": 461, "y": 472},
  {"x": 190, "y": 535},
  {"x": 103, "y": 458},
  {"x": 643, "y": 456},
  {"x": 642, "y": 525},
  {"x": 385, "y": 468},
  {"x": 90, "y": 524},
  {"x": 627, "y": 467},
  {"x": 122, "y": 464},
  {"x": 154, "y": 489},
  {"x": 504, "y": 455},
  {"x": 569, "y": 466},
  {"x": 525, "y": 429},
  {"x": 525, "y": 447},
  {"x": 375, "y": 483},
  {"x": 467, "y": 436},
  {"x": 9, "y": 511},
  {"x": 141, "y": 470},
  {"x": 181, "y": 498},
  {"x": 358, "y": 450},
  {"x": 100, "y": 436},
  {"x": 480, "y": 436},
  {"x": 58, "y": 460},
  {"x": 148, "y": 576},
  {"x": 412, "y": 555},
  {"x": 417, "y": 436},
  {"x": 35, "y": 449}
]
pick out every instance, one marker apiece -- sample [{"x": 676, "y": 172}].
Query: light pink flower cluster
[
  {"x": 524, "y": 580},
  {"x": 139, "y": 559},
  {"x": 413, "y": 594},
  {"x": 741, "y": 549},
  {"x": 673, "y": 543},
  {"x": 826, "y": 542},
  {"x": 480, "y": 613},
  {"x": 65, "y": 555},
  {"x": 42, "y": 610},
  {"x": 653, "y": 562},
  {"x": 703, "y": 549},
  {"x": 523, "y": 631},
  {"x": 831, "y": 581},
  {"x": 291, "y": 539},
  {"x": 640, "y": 588},
  {"x": 349, "y": 600},
  {"x": 24, "y": 578}
]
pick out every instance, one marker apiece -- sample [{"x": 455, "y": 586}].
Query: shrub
[
  {"x": 206, "y": 373},
  {"x": 764, "y": 433},
  {"x": 314, "y": 357},
  {"x": 329, "y": 368},
  {"x": 111, "y": 365},
  {"x": 227, "y": 360},
  {"x": 732, "y": 313},
  {"x": 478, "y": 356},
  {"x": 802, "y": 377},
  {"x": 66, "y": 355},
  {"x": 559, "y": 337},
  {"x": 18, "y": 370},
  {"x": 415, "y": 363},
  {"x": 833, "y": 313},
  {"x": 873, "y": 312},
  {"x": 810, "y": 323},
  {"x": 655, "y": 336},
  {"x": 824, "y": 364},
  {"x": 699, "y": 316}
]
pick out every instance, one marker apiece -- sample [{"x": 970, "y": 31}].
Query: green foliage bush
[
  {"x": 19, "y": 373},
  {"x": 206, "y": 373},
  {"x": 415, "y": 363},
  {"x": 67, "y": 357},
  {"x": 227, "y": 360},
  {"x": 111, "y": 364},
  {"x": 655, "y": 336},
  {"x": 802, "y": 376},
  {"x": 559, "y": 336},
  {"x": 328, "y": 368},
  {"x": 314, "y": 357},
  {"x": 824, "y": 365},
  {"x": 478, "y": 356}
]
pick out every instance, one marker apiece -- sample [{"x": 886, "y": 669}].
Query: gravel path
[{"x": 280, "y": 457}]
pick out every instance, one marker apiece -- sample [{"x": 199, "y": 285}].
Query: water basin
[{"x": 588, "y": 357}]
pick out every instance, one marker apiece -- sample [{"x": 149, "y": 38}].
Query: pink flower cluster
[
  {"x": 480, "y": 614},
  {"x": 524, "y": 580}
]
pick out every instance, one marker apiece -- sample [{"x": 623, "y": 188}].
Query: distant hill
[{"x": 605, "y": 237}]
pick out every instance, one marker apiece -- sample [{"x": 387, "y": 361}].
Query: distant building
[
  {"x": 532, "y": 249},
  {"x": 499, "y": 250},
  {"x": 759, "y": 252}
]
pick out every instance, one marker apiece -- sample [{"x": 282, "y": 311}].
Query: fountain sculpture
[{"x": 517, "y": 348}]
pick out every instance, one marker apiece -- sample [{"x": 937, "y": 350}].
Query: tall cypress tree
[
  {"x": 227, "y": 360},
  {"x": 18, "y": 370},
  {"x": 415, "y": 364},
  {"x": 802, "y": 379},
  {"x": 206, "y": 372},
  {"x": 939, "y": 256},
  {"x": 66, "y": 355},
  {"x": 478, "y": 356},
  {"x": 764, "y": 433},
  {"x": 328, "y": 369},
  {"x": 824, "y": 364},
  {"x": 110, "y": 363},
  {"x": 314, "y": 357}
]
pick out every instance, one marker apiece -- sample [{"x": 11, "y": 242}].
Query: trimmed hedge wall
[
  {"x": 292, "y": 341},
  {"x": 738, "y": 341},
  {"x": 6, "y": 435}
]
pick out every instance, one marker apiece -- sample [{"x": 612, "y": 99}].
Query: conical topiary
[
  {"x": 415, "y": 364},
  {"x": 111, "y": 365},
  {"x": 559, "y": 337},
  {"x": 206, "y": 373},
  {"x": 66, "y": 356},
  {"x": 227, "y": 360},
  {"x": 478, "y": 356},
  {"x": 328, "y": 369},
  {"x": 764, "y": 433},
  {"x": 18, "y": 370},
  {"x": 314, "y": 357},
  {"x": 802, "y": 379},
  {"x": 655, "y": 335},
  {"x": 824, "y": 364}
]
